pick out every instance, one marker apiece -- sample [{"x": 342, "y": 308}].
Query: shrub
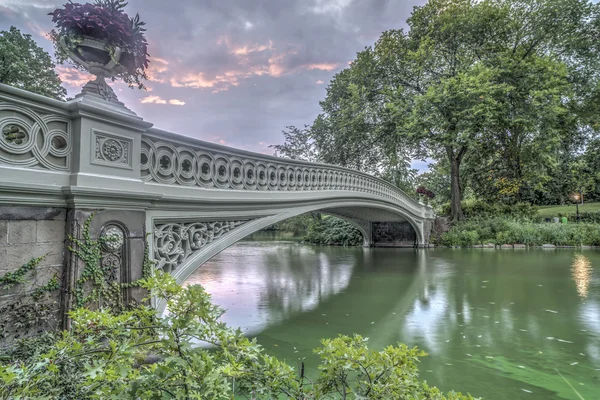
[
  {"x": 134, "y": 355},
  {"x": 504, "y": 231},
  {"x": 333, "y": 231},
  {"x": 482, "y": 209}
]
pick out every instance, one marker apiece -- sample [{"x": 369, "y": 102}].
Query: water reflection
[
  {"x": 497, "y": 324},
  {"x": 581, "y": 271},
  {"x": 255, "y": 294}
]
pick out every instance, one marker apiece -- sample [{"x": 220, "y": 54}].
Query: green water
[{"x": 496, "y": 323}]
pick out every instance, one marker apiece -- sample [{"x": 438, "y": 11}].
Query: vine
[
  {"x": 17, "y": 276},
  {"x": 107, "y": 293},
  {"x": 23, "y": 314}
]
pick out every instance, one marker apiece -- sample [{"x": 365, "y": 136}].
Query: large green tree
[
  {"x": 25, "y": 65},
  {"x": 497, "y": 79},
  {"x": 499, "y": 84}
]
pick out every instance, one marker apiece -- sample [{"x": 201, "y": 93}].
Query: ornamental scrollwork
[
  {"x": 112, "y": 252},
  {"x": 194, "y": 165},
  {"x": 33, "y": 140},
  {"x": 175, "y": 242}
]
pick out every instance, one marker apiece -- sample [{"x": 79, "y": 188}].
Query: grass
[{"x": 553, "y": 211}]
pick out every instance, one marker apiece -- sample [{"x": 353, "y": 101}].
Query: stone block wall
[{"x": 27, "y": 233}]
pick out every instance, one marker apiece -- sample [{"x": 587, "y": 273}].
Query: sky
[{"x": 235, "y": 72}]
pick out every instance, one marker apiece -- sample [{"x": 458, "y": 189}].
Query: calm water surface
[{"x": 497, "y": 324}]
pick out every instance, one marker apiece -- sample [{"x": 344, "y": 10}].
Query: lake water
[{"x": 501, "y": 324}]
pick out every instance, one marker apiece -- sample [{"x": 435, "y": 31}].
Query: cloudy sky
[{"x": 234, "y": 72}]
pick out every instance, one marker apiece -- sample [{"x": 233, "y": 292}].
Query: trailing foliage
[
  {"x": 104, "y": 20},
  {"x": 505, "y": 231},
  {"x": 135, "y": 355},
  {"x": 333, "y": 231},
  {"x": 17, "y": 276},
  {"x": 26, "y": 310},
  {"x": 93, "y": 285}
]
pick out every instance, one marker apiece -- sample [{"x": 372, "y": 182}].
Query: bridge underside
[{"x": 182, "y": 242}]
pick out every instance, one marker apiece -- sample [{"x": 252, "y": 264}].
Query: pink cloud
[
  {"x": 273, "y": 63},
  {"x": 73, "y": 77},
  {"x": 245, "y": 50},
  {"x": 321, "y": 66},
  {"x": 160, "y": 100},
  {"x": 157, "y": 70},
  {"x": 154, "y": 99},
  {"x": 319, "y": 82},
  {"x": 38, "y": 30}
]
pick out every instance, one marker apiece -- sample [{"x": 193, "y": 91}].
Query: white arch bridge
[{"x": 191, "y": 197}]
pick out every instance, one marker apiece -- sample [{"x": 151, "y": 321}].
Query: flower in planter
[
  {"x": 102, "y": 34},
  {"x": 425, "y": 192}
]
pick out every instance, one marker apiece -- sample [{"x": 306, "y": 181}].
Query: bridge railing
[
  {"x": 97, "y": 145},
  {"x": 172, "y": 159}
]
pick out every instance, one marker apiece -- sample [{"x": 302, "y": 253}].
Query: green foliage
[
  {"x": 17, "y": 276},
  {"x": 93, "y": 285},
  {"x": 298, "y": 145},
  {"x": 333, "y": 231},
  {"x": 497, "y": 91},
  {"x": 26, "y": 311},
  {"x": 25, "y": 65},
  {"x": 135, "y": 355},
  {"x": 51, "y": 286},
  {"x": 506, "y": 231},
  {"x": 590, "y": 217},
  {"x": 483, "y": 209},
  {"x": 297, "y": 225}
]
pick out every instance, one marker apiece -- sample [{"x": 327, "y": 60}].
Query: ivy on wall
[
  {"x": 92, "y": 287},
  {"x": 25, "y": 313},
  {"x": 94, "y": 284}
]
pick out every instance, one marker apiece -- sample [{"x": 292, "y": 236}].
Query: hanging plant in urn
[{"x": 102, "y": 39}]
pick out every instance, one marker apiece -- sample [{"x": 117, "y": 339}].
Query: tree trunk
[{"x": 455, "y": 192}]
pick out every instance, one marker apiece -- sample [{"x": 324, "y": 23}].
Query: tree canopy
[
  {"x": 25, "y": 65},
  {"x": 498, "y": 90}
]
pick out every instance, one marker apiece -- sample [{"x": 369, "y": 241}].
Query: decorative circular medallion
[
  {"x": 114, "y": 238},
  {"x": 112, "y": 150},
  {"x": 14, "y": 134}
]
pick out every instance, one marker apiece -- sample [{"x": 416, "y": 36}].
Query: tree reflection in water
[{"x": 494, "y": 322}]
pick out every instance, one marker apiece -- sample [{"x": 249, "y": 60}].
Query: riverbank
[{"x": 507, "y": 233}]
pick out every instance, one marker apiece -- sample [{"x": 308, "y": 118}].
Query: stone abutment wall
[{"x": 27, "y": 233}]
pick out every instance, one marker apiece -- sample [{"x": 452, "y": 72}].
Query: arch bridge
[{"x": 62, "y": 160}]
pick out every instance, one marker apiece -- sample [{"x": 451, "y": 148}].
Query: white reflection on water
[
  {"x": 262, "y": 285},
  {"x": 581, "y": 272}
]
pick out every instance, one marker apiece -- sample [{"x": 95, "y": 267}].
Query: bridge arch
[
  {"x": 242, "y": 224},
  {"x": 171, "y": 256},
  {"x": 195, "y": 198}
]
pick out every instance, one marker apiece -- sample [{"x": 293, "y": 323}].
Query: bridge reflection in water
[{"x": 493, "y": 322}]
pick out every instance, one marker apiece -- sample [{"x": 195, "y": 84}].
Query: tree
[
  {"x": 298, "y": 145},
  {"x": 25, "y": 65},
  {"x": 494, "y": 78}
]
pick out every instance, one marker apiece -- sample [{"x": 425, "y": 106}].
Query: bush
[
  {"x": 481, "y": 209},
  {"x": 505, "y": 231},
  {"x": 134, "y": 355},
  {"x": 591, "y": 217},
  {"x": 333, "y": 231},
  {"x": 462, "y": 238}
]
